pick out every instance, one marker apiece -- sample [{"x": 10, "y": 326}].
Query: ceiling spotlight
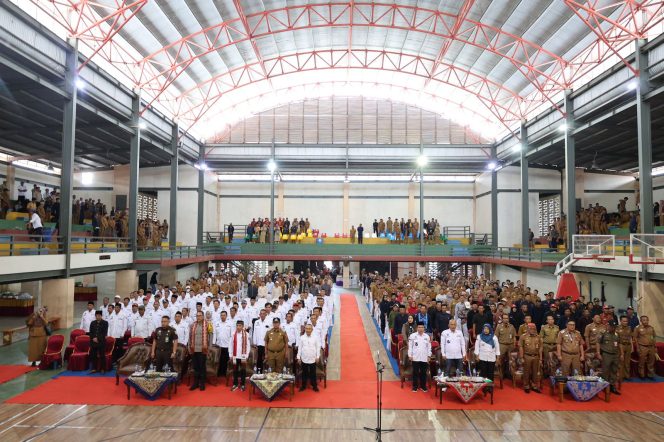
[
  {"x": 271, "y": 166},
  {"x": 80, "y": 84},
  {"x": 142, "y": 125},
  {"x": 492, "y": 165},
  {"x": 517, "y": 147},
  {"x": 563, "y": 127},
  {"x": 201, "y": 166},
  {"x": 633, "y": 84},
  {"x": 422, "y": 160}
]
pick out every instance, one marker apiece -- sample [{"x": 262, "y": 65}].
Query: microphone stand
[{"x": 379, "y": 402}]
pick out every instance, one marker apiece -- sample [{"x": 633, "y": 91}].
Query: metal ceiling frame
[{"x": 615, "y": 26}]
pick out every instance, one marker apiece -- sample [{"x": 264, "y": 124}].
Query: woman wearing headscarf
[
  {"x": 408, "y": 328},
  {"x": 487, "y": 350}
]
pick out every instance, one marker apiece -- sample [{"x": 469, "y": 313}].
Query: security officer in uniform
[
  {"x": 164, "y": 344},
  {"x": 530, "y": 349},
  {"x": 507, "y": 341},
  {"x": 569, "y": 349},
  {"x": 276, "y": 342},
  {"x": 625, "y": 333},
  {"x": 610, "y": 353},
  {"x": 644, "y": 336},
  {"x": 549, "y": 335}
]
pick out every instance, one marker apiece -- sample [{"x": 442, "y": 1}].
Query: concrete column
[
  {"x": 11, "y": 177},
  {"x": 58, "y": 296},
  {"x": 650, "y": 302},
  {"x": 281, "y": 211},
  {"x": 346, "y": 275},
  {"x": 346, "y": 209},
  {"x": 126, "y": 281},
  {"x": 411, "y": 200}
]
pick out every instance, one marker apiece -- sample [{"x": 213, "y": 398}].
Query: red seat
[
  {"x": 72, "y": 338},
  {"x": 108, "y": 349},
  {"x": 125, "y": 340},
  {"x": 659, "y": 364},
  {"x": 78, "y": 361},
  {"x": 134, "y": 340},
  {"x": 53, "y": 352}
]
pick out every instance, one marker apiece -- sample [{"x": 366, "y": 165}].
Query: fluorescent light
[
  {"x": 271, "y": 166},
  {"x": 86, "y": 178},
  {"x": 492, "y": 165},
  {"x": 80, "y": 84},
  {"x": 563, "y": 127},
  {"x": 422, "y": 160}
]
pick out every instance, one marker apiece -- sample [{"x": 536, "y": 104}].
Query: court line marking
[
  {"x": 55, "y": 425},
  {"x": 18, "y": 414},
  {"x": 25, "y": 419}
]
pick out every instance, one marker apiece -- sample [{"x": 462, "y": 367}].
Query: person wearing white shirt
[
  {"x": 262, "y": 291},
  {"x": 261, "y": 327},
  {"x": 88, "y": 317},
  {"x": 142, "y": 327},
  {"x": 181, "y": 328},
  {"x": 239, "y": 352},
  {"x": 318, "y": 329},
  {"x": 36, "y": 224},
  {"x": 453, "y": 348},
  {"x": 308, "y": 353},
  {"x": 293, "y": 332},
  {"x": 131, "y": 316},
  {"x": 22, "y": 192},
  {"x": 487, "y": 349},
  {"x": 419, "y": 352},
  {"x": 223, "y": 330},
  {"x": 117, "y": 326}
]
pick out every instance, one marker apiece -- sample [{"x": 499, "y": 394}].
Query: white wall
[
  {"x": 30, "y": 177},
  {"x": 607, "y": 190},
  {"x": 101, "y": 187}
]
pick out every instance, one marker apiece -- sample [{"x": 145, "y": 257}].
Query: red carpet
[
  {"x": 357, "y": 389},
  {"x": 9, "y": 372}
]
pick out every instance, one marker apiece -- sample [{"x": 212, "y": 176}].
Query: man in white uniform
[
  {"x": 142, "y": 327},
  {"x": 419, "y": 352},
  {"x": 88, "y": 317},
  {"x": 261, "y": 327},
  {"x": 308, "y": 353},
  {"x": 223, "y": 330},
  {"x": 453, "y": 348}
]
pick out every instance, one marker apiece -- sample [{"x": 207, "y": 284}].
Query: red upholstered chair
[
  {"x": 127, "y": 335},
  {"x": 78, "y": 361},
  {"x": 659, "y": 365},
  {"x": 53, "y": 352},
  {"x": 134, "y": 340},
  {"x": 108, "y": 352},
  {"x": 72, "y": 338}
]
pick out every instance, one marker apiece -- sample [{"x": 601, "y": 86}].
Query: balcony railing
[
  {"x": 351, "y": 251},
  {"x": 25, "y": 245}
]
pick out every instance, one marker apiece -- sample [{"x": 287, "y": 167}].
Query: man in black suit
[
  {"x": 252, "y": 290},
  {"x": 98, "y": 332}
]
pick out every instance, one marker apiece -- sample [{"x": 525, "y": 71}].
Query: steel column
[
  {"x": 421, "y": 202},
  {"x": 494, "y": 201},
  {"x": 271, "y": 231},
  {"x": 569, "y": 205},
  {"x": 68, "y": 151},
  {"x": 134, "y": 164},
  {"x": 525, "y": 208},
  {"x": 643, "y": 128},
  {"x": 201, "y": 194},
  {"x": 173, "y": 215}
]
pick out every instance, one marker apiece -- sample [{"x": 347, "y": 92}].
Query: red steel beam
[
  {"x": 172, "y": 60},
  {"x": 616, "y": 25},
  {"x": 93, "y": 22},
  {"x": 461, "y": 17},
  {"x": 501, "y": 101}
]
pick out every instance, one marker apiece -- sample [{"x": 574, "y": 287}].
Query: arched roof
[{"x": 505, "y": 59}]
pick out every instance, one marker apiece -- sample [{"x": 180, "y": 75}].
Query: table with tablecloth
[
  {"x": 466, "y": 387},
  {"x": 152, "y": 384},
  {"x": 16, "y": 307},
  {"x": 270, "y": 385},
  {"x": 582, "y": 388}
]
